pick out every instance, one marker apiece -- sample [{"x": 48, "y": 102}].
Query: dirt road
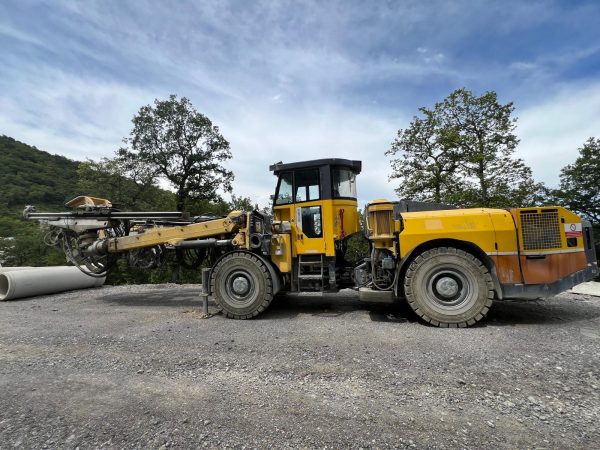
[{"x": 135, "y": 367}]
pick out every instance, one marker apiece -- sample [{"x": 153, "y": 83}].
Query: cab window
[
  {"x": 307, "y": 185},
  {"x": 344, "y": 183},
  {"x": 311, "y": 221},
  {"x": 285, "y": 191}
]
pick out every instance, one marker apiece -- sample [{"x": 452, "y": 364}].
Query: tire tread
[
  {"x": 267, "y": 298},
  {"x": 436, "y": 252}
]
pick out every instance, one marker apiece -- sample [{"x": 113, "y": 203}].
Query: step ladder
[{"x": 311, "y": 273}]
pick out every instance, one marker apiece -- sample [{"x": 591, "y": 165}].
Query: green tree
[
  {"x": 128, "y": 184},
  {"x": 357, "y": 245},
  {"x": 241, "y": 203},
  {"x": 481, "y": 130},
  {"x": 217, "y": 207},
  {"x": 427, "y": 169},
  {"x": 28, "y": 248},
  {"x": 34, "y": 177},
  {"x": 579, "y": 188},
  {"x": 462, "y": 152},
  {"x": 181, "y": 146}
]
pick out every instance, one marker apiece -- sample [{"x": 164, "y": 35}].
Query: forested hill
[{"x": 32, "y": 176}]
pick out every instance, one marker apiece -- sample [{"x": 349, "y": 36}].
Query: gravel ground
[{"x": 136, "y": 367}]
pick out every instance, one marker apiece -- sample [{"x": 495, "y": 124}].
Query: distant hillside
[{"x": 32, "y": 176}]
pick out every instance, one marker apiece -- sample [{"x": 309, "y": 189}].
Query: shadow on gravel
[
  {"x": 165, "y": 297},
  {"x": 502, "y": 313},
  {"x": 512, "y": 313},
  {"x": 288, "y": 306}
]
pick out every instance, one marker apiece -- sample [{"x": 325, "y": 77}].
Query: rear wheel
[
  {"x": 242, "y": 285},
  {"x": 448, "y": 287}
]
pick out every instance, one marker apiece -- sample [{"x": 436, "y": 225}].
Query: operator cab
[{"x": 318, "y": 199}]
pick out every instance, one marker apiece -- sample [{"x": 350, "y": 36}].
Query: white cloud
[
  {"x": 11, "y": 32},
  {"x": 551, "y": 131},
  {"x": 525, "y": 66},
  {"x": 263, "y": 137},
  {"x": 287, "y": 82},
  {"x": 79, "y": 117}
]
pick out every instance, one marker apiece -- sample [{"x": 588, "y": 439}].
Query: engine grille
[
  {"x": 540, "y": 229},
  {"x": 381, "y": 223}
]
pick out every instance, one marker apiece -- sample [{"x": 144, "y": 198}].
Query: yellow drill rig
[{"x": 449, "y": 264}]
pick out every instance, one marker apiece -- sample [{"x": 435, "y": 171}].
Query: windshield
[{"x": 284, "y": 193}]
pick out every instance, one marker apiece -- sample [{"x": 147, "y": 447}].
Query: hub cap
[
  {"x": 240, "y": 285},
  {"x": 451, "y": 291},
  {"x": 446, "y": 287}
]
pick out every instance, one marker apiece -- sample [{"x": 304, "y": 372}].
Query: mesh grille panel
[
  {"x": 381, "y": 222},
  {"x": 541, "y": 229}
]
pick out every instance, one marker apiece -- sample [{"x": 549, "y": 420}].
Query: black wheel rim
[
  {"x": 450, "y": 291},
  {"x": 240, "y": 287}
]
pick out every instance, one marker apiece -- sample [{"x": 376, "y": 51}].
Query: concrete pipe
[
  {"x": 12, "y": 269},
  {"x": 44, "y": 280}
]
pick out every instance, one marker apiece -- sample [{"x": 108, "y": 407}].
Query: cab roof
[{"x": 356, "y": 166}]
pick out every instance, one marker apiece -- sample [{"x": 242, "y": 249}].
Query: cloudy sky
[{"x": 298, "y": 80}]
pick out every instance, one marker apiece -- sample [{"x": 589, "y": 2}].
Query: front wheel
[
  {"x": 448, "y": 287},
  {"x": 243, "y": 285}
]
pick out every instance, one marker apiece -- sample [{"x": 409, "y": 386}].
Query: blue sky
[{"x": 298, "y": 80}]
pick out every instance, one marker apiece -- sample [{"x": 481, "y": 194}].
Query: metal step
[
  {"x": 310, "y": 293},
  {"x": 311, "y": 277}
]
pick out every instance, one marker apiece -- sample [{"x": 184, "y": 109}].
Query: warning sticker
[{"x": 573, "y": 230}]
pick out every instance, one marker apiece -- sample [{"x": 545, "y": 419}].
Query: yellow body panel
[
  {"x": 505, "y": 258},
  {"x": 281, "y": 252},
  {"x": 339, "y": 219},
  {"x": 470, "y": 225},
  {"x": 492, "y": 230},
  {"x": 506, "y": 233},
  {"x": 526, "y": 245}
]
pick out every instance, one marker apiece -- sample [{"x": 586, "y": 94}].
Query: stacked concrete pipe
[{"x": 19, "y": 282}]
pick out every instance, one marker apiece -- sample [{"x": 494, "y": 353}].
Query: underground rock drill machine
[{"x": 449, "y": 264}]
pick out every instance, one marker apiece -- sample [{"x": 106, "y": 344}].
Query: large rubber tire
[
  {"x": 448, "y": 287},
  {"x": 242, "y": 285}
]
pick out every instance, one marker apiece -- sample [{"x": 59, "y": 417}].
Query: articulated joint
[{"x": 96, "y": 248}]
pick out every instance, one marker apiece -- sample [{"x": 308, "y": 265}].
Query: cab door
[{"x": 298, "y": 200}]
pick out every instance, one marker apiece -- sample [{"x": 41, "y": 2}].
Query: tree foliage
[
  {"x": 241, "y": 203},
  {"x": 182, "y": 146},
  {"x": 32, "y": 176},
  {"x": 27, "y": 248},
  {"x": 358, "y": 246},
  {"x": 579, "y": 188},
  {"x": 125, "y": 183},
  {"x": 461, "y": 152},
  {"x": 426, "y": 167}
]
